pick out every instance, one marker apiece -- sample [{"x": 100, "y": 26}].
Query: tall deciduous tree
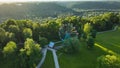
[
  {"x": 87, "y": 28},
  {"x": 27, "y": 32},
  {"x": 30, "y": 54},
  {"x": 36, "y": 31},
  {"x": 2, "y": 35},
  {"x": 10, "y": 48}
]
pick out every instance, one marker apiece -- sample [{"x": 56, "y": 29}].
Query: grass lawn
[
  {"x": 49, "y": 61},
  {"x": 84, "y": 59},
  {"x": 110, "y": 40},
  {"x": 88, "y": 58}
]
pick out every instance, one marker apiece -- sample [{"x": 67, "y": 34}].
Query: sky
[{"x": 49, "y": 0}]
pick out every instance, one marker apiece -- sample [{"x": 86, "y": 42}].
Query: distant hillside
[
  {"x": 27, "y": 10},
  {"x": 97, "y": 5}
]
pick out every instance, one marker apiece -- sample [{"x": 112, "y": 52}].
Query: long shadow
[
  {"x": 110, "y": 45},
  {"x": 105, "y": 49}
]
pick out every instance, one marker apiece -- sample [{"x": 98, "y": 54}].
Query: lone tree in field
[{"x": 89, "y": 34}]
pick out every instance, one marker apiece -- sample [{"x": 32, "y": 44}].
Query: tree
[
  {"x": 53, "y": 28},
  {"x": 2, "y": 35},
  {"x": 9, "y": 49},
  {"x": 90, "y": 41},
  {"x": 11, "y": 22},
  {"x": 50, "y": 30},
  {"x": 14, "y": 29},
  {"x": 93, "y": 33},
  {"x": 71, "y": 45},
  {"x": 27, "y": 33},
  {"x": 9, "y": 36},
  {"x": 43, "y": 41},
  {"x": 36, "y": 31},
  {"x": 30, "y": 54},
  {"x": 87, "y": 28}
]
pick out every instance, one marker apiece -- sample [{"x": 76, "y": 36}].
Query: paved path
[
  {"x": 55, "y": 57},
  {"x": 44, "y": 51}
]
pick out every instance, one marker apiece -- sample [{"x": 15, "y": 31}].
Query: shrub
[
  {"x": 108, "y": 61},
  {"x": 71, "y": 45}
]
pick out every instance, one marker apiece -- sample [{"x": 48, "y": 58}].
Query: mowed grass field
[
  {"x": 106, "y": 43},
  {"x": 110, "y": 40}
]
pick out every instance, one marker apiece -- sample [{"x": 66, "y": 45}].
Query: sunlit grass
[
  {"x": 107, "y": 43},
  {"x": 85, "y": 58},
  {"x": 105, "y": 49},
  {"x": 110, "y": 40}
]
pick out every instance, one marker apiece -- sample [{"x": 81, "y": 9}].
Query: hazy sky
[{"x": 50, "y": 0}]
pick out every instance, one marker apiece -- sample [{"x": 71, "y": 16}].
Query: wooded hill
[
  {"x": 95, "y": 5},
  {"x": 30, "y": 10}
]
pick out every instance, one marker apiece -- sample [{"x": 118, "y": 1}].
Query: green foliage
[
  {"x": 50, "y": 30},
  {"x": 9, "y": 49},
  {"x": 43, "y": 41},
  {"x": 9, "y": 36},
  {"x": 36, "y": 31},
  {"x": 27, "y": 33},
  {"x": 30, "y": 54},
  {"x": 13, "y": 28},
  {"x": 2, "y": 35},
  {"x": 11, "y": 22},
  {"x": 105, "y": 21},
  {"x": 108, "y": 61},
  {"x": 71, "y": 45},
  {"x": 90, "y": 41},
  {"x": 87, "y": 28},
  {"x": 93, "y": 33}
]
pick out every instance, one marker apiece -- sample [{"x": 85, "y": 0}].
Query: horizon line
[{"x": 59, "y": 1}]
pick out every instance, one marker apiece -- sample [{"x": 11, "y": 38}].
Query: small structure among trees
[{"x": 66, "y": 31}]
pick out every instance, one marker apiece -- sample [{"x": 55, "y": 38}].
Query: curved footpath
[
  {"x": 55, "y": 57},
  {"x": 44, "y": 51}
]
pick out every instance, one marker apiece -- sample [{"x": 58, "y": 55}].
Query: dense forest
[{"x": 24, "y": 38}]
